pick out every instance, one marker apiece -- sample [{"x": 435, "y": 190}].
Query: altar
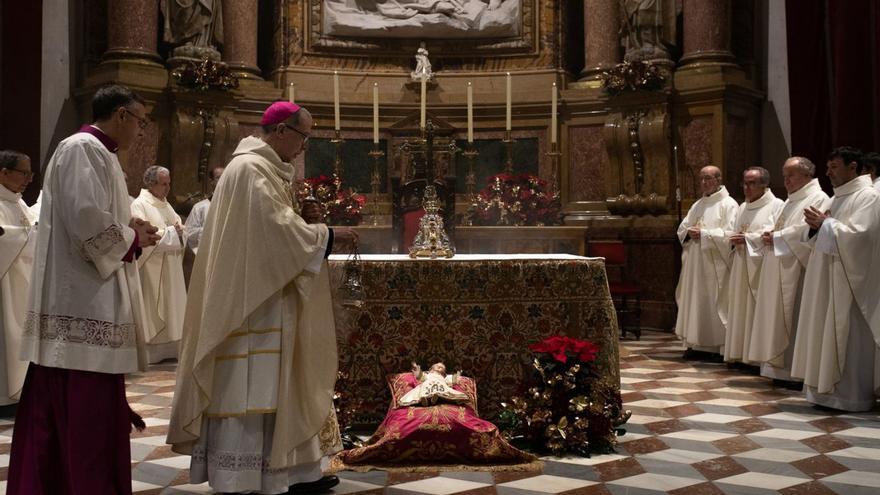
[{"x": 476, "y": 313}]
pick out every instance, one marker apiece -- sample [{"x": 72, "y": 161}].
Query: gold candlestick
[
  {"x": 337, "y": 160},
  {"x": 375, "y": 181},
  {"x": 554, "y": 155},
  {"x": 471, "y": 154},
  {"x": 508, "y": 141}
]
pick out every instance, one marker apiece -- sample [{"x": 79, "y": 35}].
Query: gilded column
[
  {"x": 131, "y": 30},
  {"x": 707, "y": 32},
  {"x": 240, "y": 37},
  {"x": 601, "y": 38}
]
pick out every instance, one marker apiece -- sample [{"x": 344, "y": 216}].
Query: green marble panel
[
  {"x": 491, "y": 160},
  {"x": 357, "y": 165}
]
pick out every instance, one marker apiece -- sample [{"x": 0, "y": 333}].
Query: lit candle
[
  {"x": 423, "y": 110},
  {"x": 553, "y": 117},
  {"x": 508, "y": 102},
  {"x": 336, "y": 99},
  {"x": 376, "y": 113},
  {"x": 291, "y": 94},
  {"x": 470, "y": 112}
]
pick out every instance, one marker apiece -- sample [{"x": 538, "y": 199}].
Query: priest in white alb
[
  {"x": 756, "y": 215},
  {"x": 253, "y": 401},
  {"x": 195, "y": 221},
  {"x": 781, "y": 283},
  {"x": 161, "y": 267},
  {"x": 836, "y": 349},
  {"x": 705, "y": 263},
  {"x": 16, "y": 262}
]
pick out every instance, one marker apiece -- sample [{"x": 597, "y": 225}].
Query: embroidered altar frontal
[{"x": 476, "y": 313}]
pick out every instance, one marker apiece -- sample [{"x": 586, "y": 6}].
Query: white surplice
[
  {"x": 195, "y": 222},
  {"x": 752, "y": 219},
  {"x": 16, "y": 263},
  {"x": 161, "y": 273},
  {"x": 702, "y": 313},
  {"x": 85, "y": 311},
  {"x": 836, "y": 350},
  {"x": 779, "y": 288}
]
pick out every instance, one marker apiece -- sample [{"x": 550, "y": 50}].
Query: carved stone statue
[
  {"x": 196, "y": 26},
  {"x": 647, "y": 28},
  {"x": 423, "y": 65}
]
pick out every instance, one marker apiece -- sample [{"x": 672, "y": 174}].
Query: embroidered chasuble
[
  {"x": 702, "y": 313},
  {"x": 258, "y": 357},
  {"x": 781, "y": 282},
  {"x": 85, "y": 311},
  {"x": 752, "y": 219},
  {"x": 839, "y": 320},
  {"x": 16, "y": 262},
  {"x": 161, "y": 273}
]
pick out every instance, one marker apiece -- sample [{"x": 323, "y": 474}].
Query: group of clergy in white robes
[{"x": 791, "y": 286}]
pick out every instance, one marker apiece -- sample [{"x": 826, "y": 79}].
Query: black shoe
[
  {"x": 690, "y": 354},
  {"x": 714, "y": 358},
  {"x": 318, "y": 486},
  {"x": 788, "y": 384}
]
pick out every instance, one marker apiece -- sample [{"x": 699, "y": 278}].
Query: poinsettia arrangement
[
  {"x": 516, "y": 199},
  {"x": 205, "y": 75},
  {"x": 632, "y": 76},
  {"x": 568, "y": 407},
  {"x": 341, "y": 206}
]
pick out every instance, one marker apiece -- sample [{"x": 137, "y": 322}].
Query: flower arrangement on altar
[
  {"x": 568, "y": 407},
  {"x": 205, "y": 75},
  {"x": 516, "y": 199},
  {"x": 341, "y": 206},
  {"x": 632, "y": 76}
]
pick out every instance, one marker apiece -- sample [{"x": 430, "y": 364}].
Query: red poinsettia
[
  {"x": 562, "y": 348},
  {"x": 516, "y": 199},
  {"x": 342, "y": 206}
]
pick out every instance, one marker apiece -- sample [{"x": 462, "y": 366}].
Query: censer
[{"x": 352, "y": 289}]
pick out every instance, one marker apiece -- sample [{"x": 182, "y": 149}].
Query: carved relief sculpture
[
  {"x": 423, "y": 65},
  {"x": 647, "y": 27},
  {"x": 196, "y": 26}
]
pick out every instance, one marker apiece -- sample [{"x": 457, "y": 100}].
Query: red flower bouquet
[
  {"x": 518, "y": 199},
  {"x": 562, "y": 348},
  {"x": 340, "y": 206}
]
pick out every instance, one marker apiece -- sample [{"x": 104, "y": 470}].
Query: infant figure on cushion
[{"x": 434, "y": 386}]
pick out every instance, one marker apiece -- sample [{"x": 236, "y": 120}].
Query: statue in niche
[
  {"x": 423, "y": 65},
  {"x": 196, "y": 26},
  {"x": 422, "y": 18},
  {"x": 647, "y": 28}
]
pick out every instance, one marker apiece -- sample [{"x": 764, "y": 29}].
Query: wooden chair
[
  {"x": 627, "y": 294},
  {"x": 406, "y": 208}
]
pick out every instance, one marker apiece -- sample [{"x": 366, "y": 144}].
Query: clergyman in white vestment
[
  {"x": 195, "y": 221},
  {"x": 253, "y": 401},
  {"x": 705, "y": 264},
  {"x": 161, "y": 267},
  {"x": 16, "y": 262},
  {"x": 872, "y": 167},
  {"x": 781, "y": 283},
  {"x": 756, "y": 215},
  {"x": 836, "y": 349}
]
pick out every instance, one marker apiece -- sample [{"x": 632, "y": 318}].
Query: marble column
[
  {"x": 706, "y": 32},
  {"x": 601, "y": 38},
  {"x": 240, "y": 37},
  {"x": 132, "y": 30}
]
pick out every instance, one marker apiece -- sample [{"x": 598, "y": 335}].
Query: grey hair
[
  {"x": 9, "y": 158},
  {"x": 806, "y": 166},
  {"x": 765, "y": 174},
  {"x": 151, "y": 175}
]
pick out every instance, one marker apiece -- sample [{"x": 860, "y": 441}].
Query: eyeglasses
[
  {"x": 142, "y": 122},
  {"x": 27, "y": 173},
  {"x": 301, "y": 133}
]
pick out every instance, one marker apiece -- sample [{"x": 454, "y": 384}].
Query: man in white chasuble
[
  {"x": 756, "y": 215},
  {"x": 16, "y": 262},
  {"x": 705, "y": 262},
  {"x": 253, "y": 402},
  {"x": 161, "y": 267},
  {"x": 836, "y": 349},
  {"x": 781, "y": 282},
  {"x": 83, "y": 330}
]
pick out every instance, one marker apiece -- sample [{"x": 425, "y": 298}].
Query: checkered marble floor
[{"x": 697, "y": 428}]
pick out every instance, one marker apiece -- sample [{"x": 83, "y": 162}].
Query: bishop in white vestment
[
  {"x": 161, "y": 267},
  {"x": 705, "y": 262},
  {"x": 781, "y": 282},
  {"x": 16, "y": 262},
  {"x": 253, "y": 401},
  {"x": 836, "y": 349},
  {"x": 757, "y": 214}
]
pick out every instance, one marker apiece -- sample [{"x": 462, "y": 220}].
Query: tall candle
[
  {"x": 508, "y": 102},
  {"x": 470, "y": 112},
  {"x": 291, "y": 94},
  {"x": 376, "y": 113},
  {"x": 422, "y": 108},
  {"x": 553, "y": 117},
  {"x": 336, "y": 99}
]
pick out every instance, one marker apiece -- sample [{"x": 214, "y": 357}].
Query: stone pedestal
[
  {"x": 601, "y": 38},
  {"x": 706, "y": 33},
  {"x": 131, "y": 31},
  {"x": 240, "y": 37}
]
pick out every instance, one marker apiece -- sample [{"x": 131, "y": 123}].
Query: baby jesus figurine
[{"x": 434, "y": 386}]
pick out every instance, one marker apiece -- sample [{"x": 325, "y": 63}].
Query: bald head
[
  {"x": 796, "y": 173},
  {"x": 710, "y": 179}
]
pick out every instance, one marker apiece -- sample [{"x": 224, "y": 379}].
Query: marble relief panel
[
  {"x": 696, "y": 138},
  {"x": 588, "y": 160},
  {"x": 140, "y": 157}
]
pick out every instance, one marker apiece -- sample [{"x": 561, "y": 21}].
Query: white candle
[
  {"x": 336, "y": 99},
  {"x": 553, "y": 117},
  {"x": 470, "y": 112},
  {"x": 423, "y": 109},
  {"x": 376, "y": 113},
  {"x": 291, "y": 93},
  {"x": 508, "y": 102}
]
